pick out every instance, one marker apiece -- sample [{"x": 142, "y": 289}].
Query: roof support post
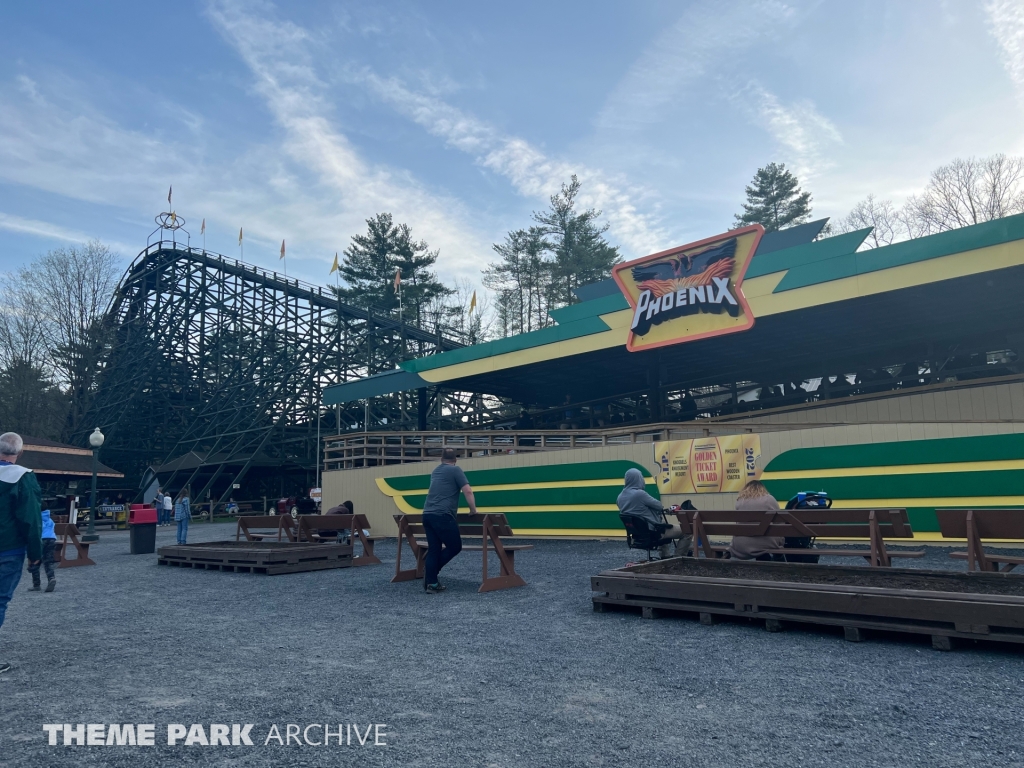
[{"x": 656, "y": 394}]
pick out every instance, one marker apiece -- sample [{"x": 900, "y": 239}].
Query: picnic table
[
  {"x": 68, "y": 533},
  {"x": 875, "y": 525},
  {"x": 276, "y": 526},
  {"x": 491, "y": 528},
  {"x": 975, "y": 525},
  {"x": 324, "y": 528}
]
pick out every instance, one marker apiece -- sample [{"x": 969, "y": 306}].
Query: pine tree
[
  {"x": 581, "y": 253},
  {"x": 521, "y": 279},
  {"x": 775, "y": 200},
  {"x": 371, "y": 261}
]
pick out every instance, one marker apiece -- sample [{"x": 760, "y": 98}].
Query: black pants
[
  {"x": 47, "y": 563},
  {"x": 440, "y": 530}
]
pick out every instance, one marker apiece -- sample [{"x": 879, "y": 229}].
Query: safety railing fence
[{"x": 374, "y": 449}]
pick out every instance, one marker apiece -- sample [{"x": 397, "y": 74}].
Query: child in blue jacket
[{"x": 49, "y": 544}]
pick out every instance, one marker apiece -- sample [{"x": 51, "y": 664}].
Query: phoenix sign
[{"x": 690, "y": 292}]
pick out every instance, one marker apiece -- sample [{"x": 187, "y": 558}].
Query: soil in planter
[{"x": 853, "y": 576}]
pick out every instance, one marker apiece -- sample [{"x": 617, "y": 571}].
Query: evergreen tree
[
  {"x": 30, "y": 403},
  {"x": 577, "y": 241},
  {"x": 775, "y": 200},
  {"x": 539, "y": 267},
  {"x": 371, "y": 261},
  {"x": 521, "y": 279}
]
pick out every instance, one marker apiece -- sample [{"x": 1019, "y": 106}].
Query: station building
[{"x": 886, "y": 377}]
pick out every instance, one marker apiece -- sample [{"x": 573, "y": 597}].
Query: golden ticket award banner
[
  {"x": 690, "y": 292},
  {"x": 708, "y": 464}
]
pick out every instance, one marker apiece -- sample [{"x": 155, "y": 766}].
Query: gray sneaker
[
  {"x": 433, "y": 589},
  {"x": 51, "y": 585}
]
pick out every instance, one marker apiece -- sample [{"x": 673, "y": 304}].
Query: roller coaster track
[{"x": 214, "y": 367}]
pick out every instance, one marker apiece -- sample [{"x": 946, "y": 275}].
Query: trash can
[{"x": 142, "y": 530}]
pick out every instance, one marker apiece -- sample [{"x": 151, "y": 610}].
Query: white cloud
[
  {"x": 531, "y": 172},
  {"x": 1006, "y": 23},
  {"x": 805, "y": 135},
  {"x": 695, "y": 47},
  {"x": 59, "y": 143},
  {"x": 43, "y": 229},
  {"x": 312, "y": 188},
  {"x": 278, "y": 55}
]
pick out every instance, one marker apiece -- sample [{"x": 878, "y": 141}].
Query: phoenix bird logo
[{"x": 661, "y": 277}]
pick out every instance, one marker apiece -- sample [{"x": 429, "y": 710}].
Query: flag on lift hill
[
  {"x": 239, "y": 235},
  {"x": 282, "y": 249},
  {"x": 398, "y": 279},
  {"x": 169, "y": 190},
  {"x": 334, "y": 266},
  {"x": 202, "y": 228},
  {"x": 472, "y": 303}
]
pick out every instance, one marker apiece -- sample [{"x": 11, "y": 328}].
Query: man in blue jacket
[
  {"x": 21, "y": 524},
  {"x": 49, "y": 545}
]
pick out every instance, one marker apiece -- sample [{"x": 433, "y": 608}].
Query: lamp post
[{"x": 95, "y": 440}]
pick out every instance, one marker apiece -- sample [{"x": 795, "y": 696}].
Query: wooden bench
[
  {"x": 490, "y": 528},
  {"x": 310, "y": 527},
  {"x": 875, "y": 525},
  {"x": 978, "y": 524},
  {"x": 283, "y": 526},
  {"x": 68, "y": 534}
]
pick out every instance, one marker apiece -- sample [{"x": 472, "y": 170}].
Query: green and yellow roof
[{"x": 818, "y": 305}]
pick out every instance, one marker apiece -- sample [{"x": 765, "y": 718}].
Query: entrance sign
[
  {"x": 690, "y": 292},
  {"x": 708, "y": 464}
]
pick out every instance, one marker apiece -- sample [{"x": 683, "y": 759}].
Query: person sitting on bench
[
  {"x": 345, "y": 508},
  {"x": 755, "y": 498},
  {"x": 634, "y": 500}
]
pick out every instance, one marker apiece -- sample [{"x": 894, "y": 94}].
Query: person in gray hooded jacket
[{"x": 634, "y": 500}]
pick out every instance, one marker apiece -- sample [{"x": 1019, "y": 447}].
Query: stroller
[{"x": 805, "y": 500}]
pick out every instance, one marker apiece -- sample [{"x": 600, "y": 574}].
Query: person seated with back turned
[
  {"x": 755, "y": 498},
  {"x": 634, "y": 500},
  {"x": 345, "y": 508}
]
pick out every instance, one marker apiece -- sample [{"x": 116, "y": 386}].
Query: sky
[{"x": 298, "y": 121}]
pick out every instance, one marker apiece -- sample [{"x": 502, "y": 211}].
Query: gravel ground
[{"x": 523, "y": 677}]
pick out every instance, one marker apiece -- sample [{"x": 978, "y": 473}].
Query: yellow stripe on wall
[
  {"x": 931, "y": 501},
  {"x": 575, "y": 533},
  {"x": 406, "y": 508},
  {"x": 901, "y": 469},
  {"x": 518, "y": 486}
]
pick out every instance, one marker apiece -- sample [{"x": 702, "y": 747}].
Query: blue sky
[{"x": 298, "y": 121}]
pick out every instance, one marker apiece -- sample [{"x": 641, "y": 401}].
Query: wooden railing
[{"x": 375, "y": 449}]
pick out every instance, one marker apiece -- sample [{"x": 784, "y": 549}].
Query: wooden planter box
[{"x": 943, "y": 604}]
